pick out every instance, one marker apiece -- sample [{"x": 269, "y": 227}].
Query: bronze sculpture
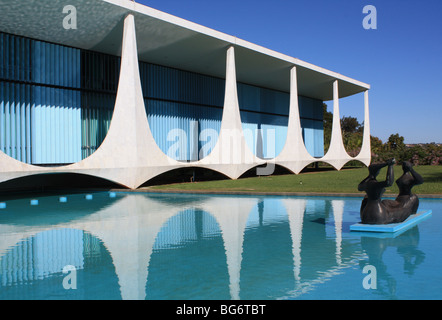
[
  {"x": 405, "y": 183},
  {"x": 377, "y": 211}
]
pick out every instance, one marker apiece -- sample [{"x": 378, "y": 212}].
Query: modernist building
[{"x": 120, "y": 91}]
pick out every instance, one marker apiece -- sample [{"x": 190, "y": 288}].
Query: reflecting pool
[{"x": 172, "y": 246}]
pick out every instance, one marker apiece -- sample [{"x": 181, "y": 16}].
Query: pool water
[{"x": 169, "y": 246}]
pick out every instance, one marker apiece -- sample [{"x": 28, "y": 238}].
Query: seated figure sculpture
[
  {"x": 377, "y": 211},
  {"x": 408, "y": 180}
]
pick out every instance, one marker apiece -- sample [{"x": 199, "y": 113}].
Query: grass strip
[{"x": 333, "y": 181}]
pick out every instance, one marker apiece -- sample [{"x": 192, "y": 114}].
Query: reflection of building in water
[
  {"x": 92, "y": 246},
  {"x": 137, "y": 237},
  {"x": 189, "y": 225},
  {"x": 46, "y": 253},
  {"x": 43, "y": 255},
  {"x": 32, "y": 270}
]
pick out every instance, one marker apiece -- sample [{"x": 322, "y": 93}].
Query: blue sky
[{"x": 401, "y": 59}]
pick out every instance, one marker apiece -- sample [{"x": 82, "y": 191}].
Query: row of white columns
[{"x": 130, "y": 156}]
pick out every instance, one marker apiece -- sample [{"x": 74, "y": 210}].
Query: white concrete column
[
  {"x": 336, "y": 155},
  {"x": 294, "y": 156},
  {"x": 11, "y": 168},
  {"x": 129, "y": 154},
  {"x": 231, "y": 155},
  {"x": 365, "y": 154}
]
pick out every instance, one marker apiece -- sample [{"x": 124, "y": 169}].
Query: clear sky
[{"x": 401, "y": 59}]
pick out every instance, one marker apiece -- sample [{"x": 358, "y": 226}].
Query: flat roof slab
[{"x": 170, "y": 41}]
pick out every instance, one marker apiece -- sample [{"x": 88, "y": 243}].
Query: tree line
[{"x": 394, "y": 147}]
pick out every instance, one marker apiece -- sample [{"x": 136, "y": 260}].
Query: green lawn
[{"x": 333, "y": 181}]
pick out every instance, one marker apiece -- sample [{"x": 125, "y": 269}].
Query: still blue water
[{"x": 170, "y": 246}]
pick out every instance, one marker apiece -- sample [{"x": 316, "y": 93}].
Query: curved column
[
  {"x": 231, "y": 155},
  {"x": 129, "y": 154},
  {"x": 336, "y": 155},
  {"x": 11, "y": 168},
  {"x": 294, "y": 156},
  {"x": 365, "y": 154}
]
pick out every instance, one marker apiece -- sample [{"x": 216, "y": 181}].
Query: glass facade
[
  {"x": 312, "y": 124},
  {"x": 99, "y": 83},
  {"x": 56, "y": 104},
  {"x": 185, "y": 111},
  {"x": 264, "y": 116}
]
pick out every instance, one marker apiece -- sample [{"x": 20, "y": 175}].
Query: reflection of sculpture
[
  {"x": 377, "y": 211},
  {"x": 407, "y": 247}
]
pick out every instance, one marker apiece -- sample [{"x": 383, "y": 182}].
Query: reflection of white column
[
  {"x": 232, "y": 218},
  {"x": 11, "y": 234},
  {"x": 338, "y": 211},
  {"x": 38, "y": 256},
  {"x": 128, "y": 230},
  {"x": 294, "y": 156},
  {"x": 295, "y": 210},
  {"x": 129, "y": 246},
  {"x": 336, "y": 154}
]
